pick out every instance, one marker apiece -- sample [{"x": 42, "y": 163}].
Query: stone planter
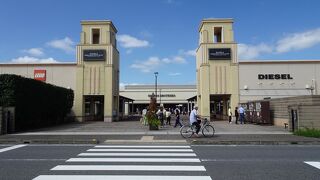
[{"x": 153, "y": 127}]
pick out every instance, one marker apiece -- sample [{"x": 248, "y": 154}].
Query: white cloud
[
  {"x": 298, "y": 41},
  {"x": 128, "y": 41},
  {"x": 171, "y": 2},
  {"x": 178, "y": 60},
  {"x": 148, "y": 65},
  {"x": 146, "y": 34},
  {"x": 252, "y": 51},
  {"x": 191, "y": 52},
  {"x": 28, "y": 59},
  {"x": 291, "y": 42},
  {"x": 129, "y": 51},
  {"x": 34, "y": 52},
  {"x": 154, "y": 62},
  {"x": 174, "y": 74},
  {"x": 65, "y": 44}
]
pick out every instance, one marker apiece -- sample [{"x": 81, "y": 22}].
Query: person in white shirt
[
  {"x": 161, "y": 114},
  {"x": 144, "y": 113},
  {"x": 230, "y": 115},
  {"x": 168, "y": 117},
  {"x": 194, "y": 119}
]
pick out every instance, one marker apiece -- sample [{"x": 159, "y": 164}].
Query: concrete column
[
  {"x": 78, "y": 100},
  {"x": 235, "y": 98},
  {"x": 132, "y": 108},
  {"x": 108, "y": 95},
  {"x": 225, "y": 107},
  {"x": 126, "y": 108},
  {"x": 204, "y": 104}
]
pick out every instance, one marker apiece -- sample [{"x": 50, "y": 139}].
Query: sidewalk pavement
[{"x": 135, "y": 132}]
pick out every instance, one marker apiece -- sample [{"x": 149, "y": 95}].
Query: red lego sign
[{"x": 40, "y": 75}]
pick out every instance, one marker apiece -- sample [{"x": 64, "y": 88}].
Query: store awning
[{"x": 193, "y": 98}]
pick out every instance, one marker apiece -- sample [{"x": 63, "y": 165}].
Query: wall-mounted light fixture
[{"x": 310, "y": 87}]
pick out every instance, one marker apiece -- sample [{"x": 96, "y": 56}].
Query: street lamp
[{"x": 156, "y": 77}]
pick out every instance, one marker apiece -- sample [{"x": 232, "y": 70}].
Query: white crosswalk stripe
[
  {"x": 142, "y": 150},
  {"x": 128, "y": 168},
  {"x": 152, "y": 147},
  {"x": 120, "y": 177},
  {"x": 132, "y": 160},
  {"x": 313, "y": 163},
  {"x": 140, "y": 154},
  {"x": 124, "y": 163}
]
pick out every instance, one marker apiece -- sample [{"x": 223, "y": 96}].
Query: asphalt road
[{"x": 220, "y": 162}]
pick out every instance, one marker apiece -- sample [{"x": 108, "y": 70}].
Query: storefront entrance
[
  {"x": 219, "y": 107},
  {"x": 94, "y": 106}
]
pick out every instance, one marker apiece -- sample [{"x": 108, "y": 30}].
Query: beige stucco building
[
  {"x": 170, "y": 96},
  {"x": 97, "y": 72},
  {"x": 217, "y": 67},
  {"x": 222, "y": 80}
]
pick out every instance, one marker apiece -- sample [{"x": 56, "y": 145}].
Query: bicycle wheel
[
  {"x": 208, "y": 131},
  {"x": 186, "y": 131}
]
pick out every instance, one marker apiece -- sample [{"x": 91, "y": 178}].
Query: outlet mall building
[{"x": 222, "y": 80}]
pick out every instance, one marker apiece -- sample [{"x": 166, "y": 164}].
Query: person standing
[
  {"x": 168, "y": 117},
  {"x": 177, "y": 112},
  {"x": 161, "y": 115},
  {"x": 241, "y": 112},
  {"x": 230, "y": 115},
  {"x": 144, "y": 113},
  {"x": 236, "y": 114},
  {"x": 194, "y": 119}
]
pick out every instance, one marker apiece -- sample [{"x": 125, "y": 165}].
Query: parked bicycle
[{"x": 206, "y": 129}]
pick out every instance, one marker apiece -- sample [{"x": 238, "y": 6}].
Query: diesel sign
[{"x": 274, "y": 76}]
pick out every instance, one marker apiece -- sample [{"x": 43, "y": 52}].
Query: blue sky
[{"x": 158, "y": 35}]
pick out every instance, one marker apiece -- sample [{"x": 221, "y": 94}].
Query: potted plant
[
  {"x": 153, "y": 122},
  {"x": 151, "y": 116}
]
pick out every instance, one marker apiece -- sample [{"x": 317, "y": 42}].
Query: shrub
[
  {"x": 308, "y": 132},
  {"x": 37, "y": 104},
  {"x": 151, "y": 116}
]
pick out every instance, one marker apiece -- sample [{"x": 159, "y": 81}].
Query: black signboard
[
  {"x": 94, "y": 55},
  {"x": 220, "y": 54}
]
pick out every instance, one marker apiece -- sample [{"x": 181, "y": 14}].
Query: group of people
[
  {"x": 164, "y": 115},
  {"x": 238, "y": 113}
]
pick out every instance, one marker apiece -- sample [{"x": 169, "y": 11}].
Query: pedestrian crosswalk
[
  {"x": 131, "y": 162},
  {"x": 313, "y": 163}
]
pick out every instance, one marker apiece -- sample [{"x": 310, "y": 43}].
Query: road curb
[
  {"x": 51, "y": 141},
  {"x": 191, "y": 142},
  {"x": 195, "y": 142}
]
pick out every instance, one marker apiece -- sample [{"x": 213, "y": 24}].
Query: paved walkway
[
  {"x": 136, "y": 128},
  {"x": 134, "y": 132}
]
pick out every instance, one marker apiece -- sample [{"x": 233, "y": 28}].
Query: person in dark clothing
[
  {"x": 236, "y": 113},
  {"x": 177, "y": 112}
]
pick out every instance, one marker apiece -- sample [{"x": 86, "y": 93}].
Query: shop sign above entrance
[
  {"x": 220, "y": 54},
  {"x": 274, "y": 76},
  {"x": 163, "y": 95},
  {"x": 94, "y": 55}
]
